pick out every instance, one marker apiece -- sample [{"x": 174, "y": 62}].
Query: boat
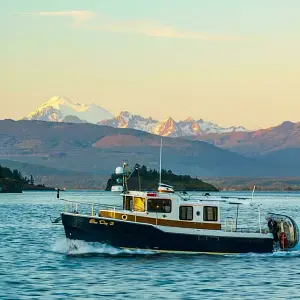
[
  {"x": 174, "y": 222},
  {"x": 178, "y": 222}
]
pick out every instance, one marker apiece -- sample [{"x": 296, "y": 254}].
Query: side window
[
  {"x": 139, "y": 204},
  {"x": 210, "y": 213},
  {"x": 186, "y": 213},
  {"x": 159, "y": 205},
  {"x": 127, "y": 202}
]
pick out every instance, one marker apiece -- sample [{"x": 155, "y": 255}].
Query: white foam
[{"x": 76, "y": 247}]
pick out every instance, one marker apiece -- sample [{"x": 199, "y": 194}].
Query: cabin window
[
  {"x": 127, "y": 202},
  {"x": 159, "y": 205},
  {"x": 186, "y": 213},
  {"x": 210, "y": 213},
  {"x": 139, "y": 204}
]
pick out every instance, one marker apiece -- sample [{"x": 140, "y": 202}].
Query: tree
[
  {"x": 5, "y": 172},
  {"x": 143, "y": 170},
  {"x": 31, "y": 181},
  {"x": 26, "y": 180},
  {"x": 16, "y": 175}
]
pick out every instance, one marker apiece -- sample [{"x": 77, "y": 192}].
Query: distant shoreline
[{"x": 191, "y": 191}]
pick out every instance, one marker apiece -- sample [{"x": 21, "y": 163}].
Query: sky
[{"x": 233, "y": 62}]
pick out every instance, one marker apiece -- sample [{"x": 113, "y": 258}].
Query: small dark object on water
[{"x": 55, "y": 221}]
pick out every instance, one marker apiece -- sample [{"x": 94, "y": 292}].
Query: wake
[
  {"x": 295, "y": 252},
  {"x": 77, "y": 248},
  {"x": 84, "y": 249}
]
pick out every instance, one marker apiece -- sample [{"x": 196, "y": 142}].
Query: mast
[
  {"x": 160, "y": 157},
  {"x": 253, "y": 192},
  {"x": 163, "y": 188}
]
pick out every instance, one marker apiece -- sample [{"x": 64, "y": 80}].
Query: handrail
[
  {"x": 229, "y": 223},
  {"x": 90, "y": 203},
  {"x": 227, "y": 200},
  {"x": 70, "y": 208}
]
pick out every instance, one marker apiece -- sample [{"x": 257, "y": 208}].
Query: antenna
[{"x": 160, "y": 157}]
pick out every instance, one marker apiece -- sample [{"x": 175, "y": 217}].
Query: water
[{"x": 37, "y": 262}]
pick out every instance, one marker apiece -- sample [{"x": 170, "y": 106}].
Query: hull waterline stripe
[{"x": 179, "y": 252}]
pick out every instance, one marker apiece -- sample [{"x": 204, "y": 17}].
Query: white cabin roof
[{"x": 190, "y": 199}]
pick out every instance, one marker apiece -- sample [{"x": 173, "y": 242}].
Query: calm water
[{"x": 36, "y": 261}]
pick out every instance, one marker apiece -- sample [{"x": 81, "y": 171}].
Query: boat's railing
[
  {"x": 230, "y": 224},
  {"x": 222, "y": 199},
  {"x": 89, "y": 208}
]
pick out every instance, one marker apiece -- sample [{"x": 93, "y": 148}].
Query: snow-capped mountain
[
  {"x": 168, "y": 127},
  {"x": 126, "y": 120},
  {"x": 60, "y": 109}
]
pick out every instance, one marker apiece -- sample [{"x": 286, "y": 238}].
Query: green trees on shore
[
  {"x": 149, "y": 179},
  {"x": 12, "y": 181},
  {"x": 15, "y": 175}
]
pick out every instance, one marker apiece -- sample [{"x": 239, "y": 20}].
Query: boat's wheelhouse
[{"x": 167, "y": 210}]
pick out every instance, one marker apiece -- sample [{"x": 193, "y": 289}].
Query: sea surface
[{"x": 38, "y": 262}]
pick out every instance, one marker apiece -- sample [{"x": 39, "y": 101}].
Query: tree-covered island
[{"x": 147, "y": 179}]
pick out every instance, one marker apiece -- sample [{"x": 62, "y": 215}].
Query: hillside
[
  {"x": 147, "y": 179},
  {"x": 259, "y": 142},
  {"x": 58, "y": 178},
  {"x": 261, "y": 183},
  {"x": 97, "y": 150}
]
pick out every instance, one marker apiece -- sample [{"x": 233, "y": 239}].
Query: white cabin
[{"x": 167, "y": 209}]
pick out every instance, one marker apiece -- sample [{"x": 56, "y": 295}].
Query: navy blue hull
[{"x": 124, "y": 234}]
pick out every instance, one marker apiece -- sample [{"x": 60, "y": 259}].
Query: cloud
[
  {"x": 79, "y": 16},
  {"x": 89, "y": 20},
  {"x": 72, "y": 13},
  {"x": 156, "y": 30}
]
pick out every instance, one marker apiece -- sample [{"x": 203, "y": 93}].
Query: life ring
[
  {"x": 124, "y": 217},
  {"x": 283, "y": 241}
]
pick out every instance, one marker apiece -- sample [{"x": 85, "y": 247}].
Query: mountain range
[
  {"x": 59, "y": 140},
  {"x": 237, "y": 139},
  {"x": 60, "y": 109},
  {"x": 168, "y": 127},
  {"x": 90, "y": 150}
]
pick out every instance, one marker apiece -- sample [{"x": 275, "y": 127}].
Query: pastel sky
[{"x": 233, "y": 62}]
